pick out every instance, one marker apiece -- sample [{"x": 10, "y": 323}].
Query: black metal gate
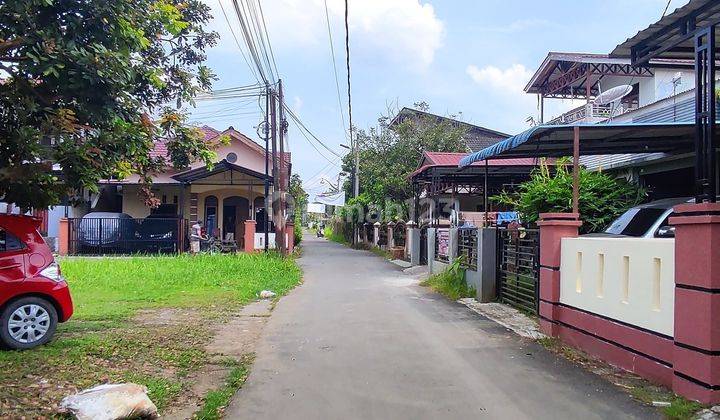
[
  {"x": 116, "y": 235},
  {"x": 518, "y": 268},
  {"x": 423, "y": 246}
]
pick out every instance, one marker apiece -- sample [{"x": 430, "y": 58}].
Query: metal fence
[
  {"x": 518, "y": 268},
  {"x": 399, "y": 234},
  {"x": 103, "y": 236},
  {"x": 382, "y": 235},
  {"x": 423, "y": 245},
  {"x": 468, "y": 247},
  {"x": 370, "y": 232}
]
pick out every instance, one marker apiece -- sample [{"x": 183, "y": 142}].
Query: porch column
[
  {"x": 553, "y": 227},
  {"x": 412, "y": 243},
  {"x": 194, "y": 208},
  {"x": 696, "y": 356},
  {"x": 63, "y": 236},
  {"x": 249, "y": 237}
]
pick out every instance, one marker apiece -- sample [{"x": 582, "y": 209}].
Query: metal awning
[
  {"x": 220, "y": 167},
  {"x": 595, "y": 139},
  {"x": 672, "y": 36}
]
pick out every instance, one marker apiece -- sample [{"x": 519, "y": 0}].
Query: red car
[{"x": 34, "y": 296}]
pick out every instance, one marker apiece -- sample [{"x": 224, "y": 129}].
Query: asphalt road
[{"x": 360, "y": 340}]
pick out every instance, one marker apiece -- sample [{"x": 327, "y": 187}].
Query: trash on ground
[
  {"x": 267, "y": 294},
  {"x": 110, "y": 402}
]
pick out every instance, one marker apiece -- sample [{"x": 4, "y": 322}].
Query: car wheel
[{"x": 27, "y": 323}]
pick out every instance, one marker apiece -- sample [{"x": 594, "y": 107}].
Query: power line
[
  {"x": 353, "y": 141},
  {"x": 310, "y": 142},
  {"x": 337, "y": 81},
  {"x": 300, "y": 124},
  {"x": 237, "y": 42},
  {"x": 666, "y": 8}
]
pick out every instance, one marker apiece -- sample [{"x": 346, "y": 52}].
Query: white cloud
[
  {"x": 297, "y": 104},
  {"x": 520, "y": 25},
  {"x": 400, "y": 31},
  {"x": 512, "y": 79}
]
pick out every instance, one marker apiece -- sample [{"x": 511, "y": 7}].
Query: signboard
[
  {"x": 316, "y": 208},
  {"x": 443, "y": 240},
  {"x": 331, "y": 199}
]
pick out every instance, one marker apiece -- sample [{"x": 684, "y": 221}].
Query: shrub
[{"x": 602, "y": 197}]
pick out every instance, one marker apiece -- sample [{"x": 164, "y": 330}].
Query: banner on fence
[{"x": 443, "y": 239}]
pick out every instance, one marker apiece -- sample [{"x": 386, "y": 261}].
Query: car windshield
[{"x": 635, "y": 222}]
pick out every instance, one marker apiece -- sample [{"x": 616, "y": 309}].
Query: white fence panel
[{"x": 627, "y": 279}]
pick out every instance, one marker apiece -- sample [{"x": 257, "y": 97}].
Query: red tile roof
[{"x": 453, "y": 159}]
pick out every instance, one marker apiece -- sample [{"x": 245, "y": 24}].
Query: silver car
[{"x": 648, "y": 220}]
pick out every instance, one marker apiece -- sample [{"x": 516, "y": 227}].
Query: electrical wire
[
  {"x": 666, "y": 9},
  {"x": 337, "y": 80},
  {"x": 300, "y": 124},
  {"x": 227, "y": 19}
]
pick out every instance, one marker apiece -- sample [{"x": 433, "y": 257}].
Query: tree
[
  {"x": 602, "y": 197},
  {"x": 388, "y": 156},
  {"x": 79, "y": 82},
  {"x": 300, "y": 196}
]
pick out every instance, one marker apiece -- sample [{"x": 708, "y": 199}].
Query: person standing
[{"x": 195, "y": 237}]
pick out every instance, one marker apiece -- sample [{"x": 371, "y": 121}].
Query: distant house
[
  {"x": 661, "y": 92},
  {"x": 476, "y": 137},
  {"x": 223, "y": 196}
]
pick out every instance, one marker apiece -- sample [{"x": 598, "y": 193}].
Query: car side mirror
[{"x": 666, "y": 232}]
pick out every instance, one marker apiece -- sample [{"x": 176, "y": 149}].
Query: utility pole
[
  {"x": 280, "y": 226},
  {"x": 273, "y": 135},
  {"x": 266, "y": 132}
]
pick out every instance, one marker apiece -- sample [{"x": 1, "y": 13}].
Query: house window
[{"x": 211, "y": 204}]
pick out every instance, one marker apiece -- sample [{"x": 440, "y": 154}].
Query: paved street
[{"x": 360, "y": 340}]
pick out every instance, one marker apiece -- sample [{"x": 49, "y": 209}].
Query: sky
[{"x": 466, "y": 57}]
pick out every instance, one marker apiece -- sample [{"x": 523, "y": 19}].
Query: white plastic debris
[
  {"x": 661, "y": 403},
  {"x": 110, "y": 402},
  {"x": 267, "y": 294}
]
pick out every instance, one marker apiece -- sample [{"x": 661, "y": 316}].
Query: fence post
[
  {"x": 390, "y": 236},
  {"x": 487, "y": 264},
  {"x": 453, "y": 245},
  {"x": 249, "y": 236},
  {"x": 290, "y": 232},
  {"x": 431, "y": 238},
  {"x": 63, "y": 236},
  {"x": 412, "y": 243},
  {"x": 376, "y": 233},
  {"x": 553, "y": 227},
  {"x": 696, "y": 355}
]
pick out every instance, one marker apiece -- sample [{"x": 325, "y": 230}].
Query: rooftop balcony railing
[{"x": 590, "y": 113}]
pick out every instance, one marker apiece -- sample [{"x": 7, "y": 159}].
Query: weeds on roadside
[
  {"x": 217, "y": 400},
  {"x": 451, "y": 282}
]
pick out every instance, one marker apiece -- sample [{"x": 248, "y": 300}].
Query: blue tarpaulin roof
[{"x": 595, "y": 139}]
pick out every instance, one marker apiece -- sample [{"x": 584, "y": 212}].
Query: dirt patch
[
  {"x": 165, "y": 316},
  {"x": 231, "y": 341}
]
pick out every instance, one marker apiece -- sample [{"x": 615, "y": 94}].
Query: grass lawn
[{"x": 140, "y": 319}]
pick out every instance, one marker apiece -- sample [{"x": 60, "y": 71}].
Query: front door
[{"x": 235, "y": 211}]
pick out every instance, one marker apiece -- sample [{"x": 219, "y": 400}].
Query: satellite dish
[{"x": 612, "y": 95}]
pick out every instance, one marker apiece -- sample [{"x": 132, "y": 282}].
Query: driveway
[{"x": 361, "y": 340}]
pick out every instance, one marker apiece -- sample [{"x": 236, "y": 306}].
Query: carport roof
[{"x": 595, "y": 139}]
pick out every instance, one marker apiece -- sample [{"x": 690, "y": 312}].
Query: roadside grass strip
[
  {"x": 140, "y": 319},
  {"x": 450, "y": 282}
]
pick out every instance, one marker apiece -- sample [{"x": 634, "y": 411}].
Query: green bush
[
  {"x": 451, "y": 282},
  {"x": 602, "y": 197}
]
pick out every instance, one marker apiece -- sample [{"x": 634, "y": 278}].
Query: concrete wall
[{"x": 626, "y": 279}]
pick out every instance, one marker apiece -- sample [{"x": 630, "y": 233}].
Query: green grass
[
  {"x": 450, "y": 282},
  {"x": 679, "y": 408},
  {"x": 107, "y": 340},
  {"x": 216, "y": 400},
  {"x": 111, "y": 288}
]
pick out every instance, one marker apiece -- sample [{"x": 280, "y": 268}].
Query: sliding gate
[{"x": 518, "y": 268}]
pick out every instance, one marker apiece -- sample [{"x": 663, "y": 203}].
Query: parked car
[
  {"x": 159, "y": 230},
  {"x": 648, "y": 220},
  {"x": 107, "y": 232},
  {"x": 34, "y": 296}
]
